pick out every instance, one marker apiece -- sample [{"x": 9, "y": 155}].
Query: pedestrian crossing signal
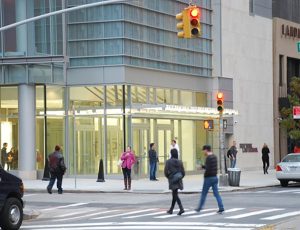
[{"x": 208, "y": 124}]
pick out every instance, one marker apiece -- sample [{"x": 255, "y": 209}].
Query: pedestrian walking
[
  {"x": 57, "y": 169},
  {"x": 174, "y": 171},
  {"x": 153, "y": 159},
  {"x": 232, "y": 153},
  {"x": 4, "y": 154},
  {"x": 10, "y": 158},
  {"x": 128, "y": 159},
  {"x": 265, "y": 158},
  {"x": 174, "y": 145},
  {"x": 210, "y": 179}
]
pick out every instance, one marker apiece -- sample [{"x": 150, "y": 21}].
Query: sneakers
[
  {"x": 197, "y": 210},
  {"x": 220, "y": 211}
]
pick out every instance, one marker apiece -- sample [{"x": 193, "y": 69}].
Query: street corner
[{"x": 30, "y": 214}]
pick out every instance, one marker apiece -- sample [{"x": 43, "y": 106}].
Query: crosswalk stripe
[
  {"x": 148, "y": 214},
  {"x": 84, "y": 216},
  {"x": 264, "y": 191},
  {"x": 148, "y": 225},
  {"x": 64, "y": 206},
  {"x": 184, "y": 214},
  {"x": 286, "y": 191},
  {"x": 215, "y": 213},
  {"x": 254, "y": 213},
  {"x": 73, "y": 213},
  {"x": 282, "y": 216},
  {"x": 125, "y": 214}
]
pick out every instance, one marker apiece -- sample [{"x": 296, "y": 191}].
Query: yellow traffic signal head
[
  {"x": 189, "y": 22},
  {"x": 194, "y": 21},
  {"x": 220, "y": 102}
]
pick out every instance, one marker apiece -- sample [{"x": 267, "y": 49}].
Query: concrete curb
[{"x": 144, "y": 191}]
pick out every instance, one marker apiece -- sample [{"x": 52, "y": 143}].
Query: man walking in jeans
[
  {"x": 210, "y": 179},
  {"x": 57, "y": 169}
]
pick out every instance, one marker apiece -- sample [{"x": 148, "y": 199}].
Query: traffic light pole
[{"x": 223, "y": 178}]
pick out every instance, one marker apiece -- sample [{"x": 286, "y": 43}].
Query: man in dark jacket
[
  {"x": 210, "y": 180},
  {"x": 57, "y": 169},
  {"x": 4, "y": 154},
  {"x": 152, "y": 161},
  {"x": 232, "y": 152},
  {"x": 174, "y": 171}
]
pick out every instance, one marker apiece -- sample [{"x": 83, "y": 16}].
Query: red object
[
  {"x": 296, "y": 149},
  {"x": 296, "y": 112},
  {"x": 195, "y": 12},
  {"x": 128, "y": 159},
  {"x": 278, "y": 168}
]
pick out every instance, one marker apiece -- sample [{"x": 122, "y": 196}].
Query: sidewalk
[{"x": 192, "y": 184}]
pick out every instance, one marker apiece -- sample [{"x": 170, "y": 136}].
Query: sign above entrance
[{"x": 296, "y": 112}]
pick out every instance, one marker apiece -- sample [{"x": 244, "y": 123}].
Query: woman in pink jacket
[{"x": 128, "y": 159}]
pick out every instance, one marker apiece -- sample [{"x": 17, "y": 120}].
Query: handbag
[
  {"x": 176, "y": 177},
  {"x": 120, "y": 162}
]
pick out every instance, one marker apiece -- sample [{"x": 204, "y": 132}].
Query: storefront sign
[
  {"x": 290, "y": 31},
  {"x": 296, "y": 112}
]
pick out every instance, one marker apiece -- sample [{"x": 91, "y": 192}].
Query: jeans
[
  {"x": 210, "y": 182},
  {"x": 152, "y": 170},
  {"x": 53, "y": 177},
  {"x": 266, "y": 164},
  {"x": 232, "y": 162}
]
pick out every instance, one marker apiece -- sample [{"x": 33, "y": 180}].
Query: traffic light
[
  {"x": 182, "y": 25},
  {"x": 194, "y": 18},
  {"x": 208, "y": 124},
  {"x": 220, "y": 102},
  {"x": 189, "y": 22}
]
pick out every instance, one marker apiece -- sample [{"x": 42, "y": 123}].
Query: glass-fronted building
[{"x": 98, "y": 79}]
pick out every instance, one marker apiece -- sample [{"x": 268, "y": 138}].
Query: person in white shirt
[{"x": 174, "y": 145}]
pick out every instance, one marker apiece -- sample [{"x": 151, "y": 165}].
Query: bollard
[
  {"x": 101, "y": 172},
  {"x": 46, "y": 176}
]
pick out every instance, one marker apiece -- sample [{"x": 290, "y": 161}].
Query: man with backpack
[{"x": 57, "y": 169}]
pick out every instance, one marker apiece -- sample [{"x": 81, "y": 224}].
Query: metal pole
[
  {"x": 223, "y": 177},
  {"x": 60, "y": 12},
  {"x": 74, "y": 147}
]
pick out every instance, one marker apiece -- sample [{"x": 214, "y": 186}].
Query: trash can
[{"x": 234, "y": 175}]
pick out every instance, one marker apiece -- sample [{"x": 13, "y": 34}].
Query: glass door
[
  {"x": 140, "y": 147},
  {"x": 87, "y": 145},
  {"x": 163, "y": 146}
]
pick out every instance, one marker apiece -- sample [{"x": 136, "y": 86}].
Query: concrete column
[
  {"x": 21, "y": 30},
  {"x": 27, "y": 150}
]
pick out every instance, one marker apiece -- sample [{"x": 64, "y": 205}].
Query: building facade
[
  {"x": 98, "y": 79},
  {"x": 243, "y": 53}
]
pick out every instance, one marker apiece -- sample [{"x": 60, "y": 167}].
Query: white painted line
[
  {"x": 65, "y": 206},
  {"x": 146, "y": 225},
  {"x": 74, "y": 213},
  {"x": 263, "y": 191},
  {"x": 215, "y": 213},
  {"x": 125, "y": 214},
  {"x": 84, "y": 216},
  {"x": 282, "y": 216},
  {"x": 184, "y": 214},
  {"x": 254, "y": 213},
  {"x": 28, "y": 195},
  {"x": 286, "y": 191},
  {"x": 148, "y": 214}
]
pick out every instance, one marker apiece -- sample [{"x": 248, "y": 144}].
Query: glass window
[
  {"x": 114, "y": 95},
  {"x": 88, "y": 96},
  {"x": 55, "y": 97}
]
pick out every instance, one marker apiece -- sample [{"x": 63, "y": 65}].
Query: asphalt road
[{"x": 245, "y": 210}]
